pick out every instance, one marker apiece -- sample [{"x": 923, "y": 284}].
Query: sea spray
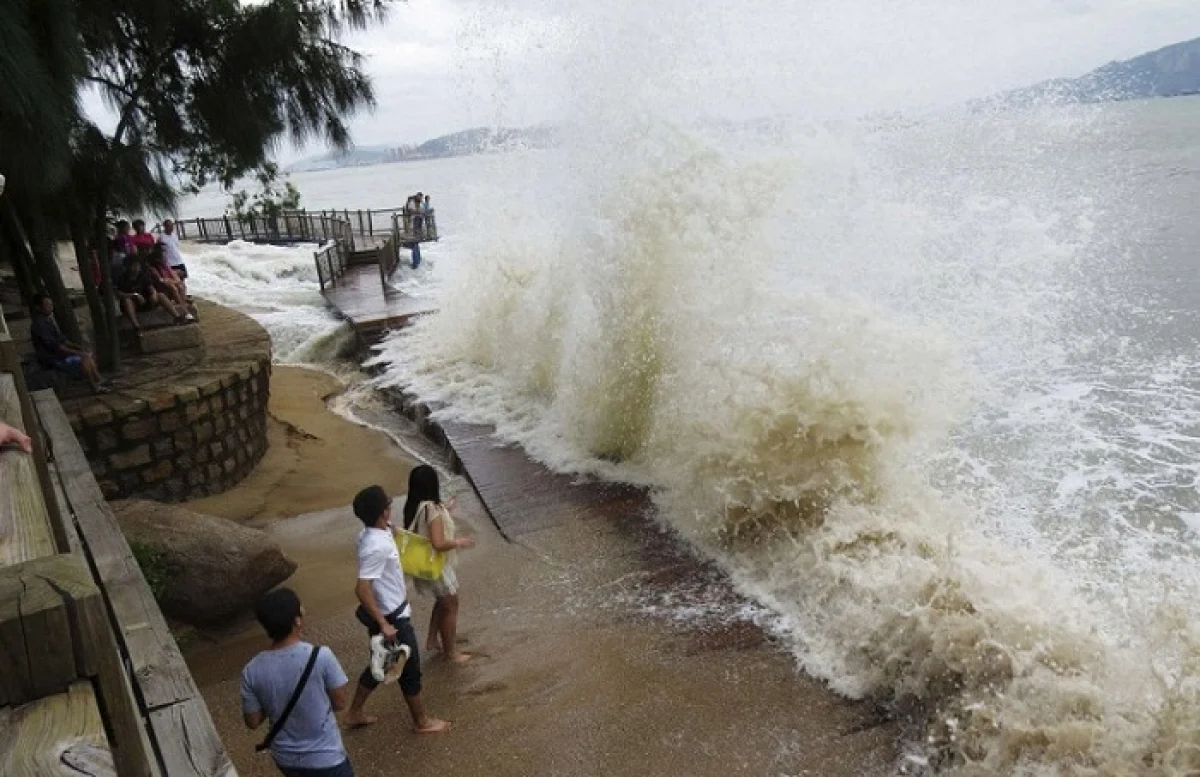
[
  {"x": 813, "y": 339},
  {"x": 277, "y": 286}
]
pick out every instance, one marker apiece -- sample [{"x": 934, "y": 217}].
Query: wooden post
[
  {"x": 10, "y": 361},
  {"x": 55, "y": 607}
]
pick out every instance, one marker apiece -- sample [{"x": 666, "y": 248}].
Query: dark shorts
[
  {"x": 410, "y": 676},
  {"x": 72, "y": 365},
  {"x": 181, "y": 269},
  {"x": 344, "y": 769}
]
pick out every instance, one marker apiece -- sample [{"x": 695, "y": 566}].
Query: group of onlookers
[
  {"x": 300, "y": 687},
  {"x": 148, "y": 272}
]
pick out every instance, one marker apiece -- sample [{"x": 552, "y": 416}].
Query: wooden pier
[
  {"x": 360, "y": 251},
  {"x": 91, "y": 680}
]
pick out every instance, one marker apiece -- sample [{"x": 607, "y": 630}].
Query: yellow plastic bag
[{"x": 418, "y": 558}]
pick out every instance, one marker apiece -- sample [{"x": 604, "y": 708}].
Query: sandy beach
[{"x": 601, "y": 647}]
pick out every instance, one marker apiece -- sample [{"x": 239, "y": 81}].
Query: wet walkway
[{"x": 371, "y": 308}]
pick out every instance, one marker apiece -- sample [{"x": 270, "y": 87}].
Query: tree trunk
[
  {"x": 84, "y": 256},
  {"x": 42, "y": 244},
  {"x": 17, "y": 253},
  {"x": 108, "y": 340}
]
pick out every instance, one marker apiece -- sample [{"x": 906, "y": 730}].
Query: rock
[{"x": 203, "y": 569}]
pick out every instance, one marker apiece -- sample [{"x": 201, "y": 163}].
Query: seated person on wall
[
  {"x": 56, "y": 352},
  {"x": 136, "y": 292},
  {"x": 165, "y": 279},
  {"x": 141, "y": 239},
  {"x": 169, "y": 240}
]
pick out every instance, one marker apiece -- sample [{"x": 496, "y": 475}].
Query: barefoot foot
[
  {"x": 433, "y": 726},
  {"x": 459, "y": 658},
  {"x": 359, "y": 721}
]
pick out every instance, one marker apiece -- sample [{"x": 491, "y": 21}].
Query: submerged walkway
[{"x": 361, "y": 298}]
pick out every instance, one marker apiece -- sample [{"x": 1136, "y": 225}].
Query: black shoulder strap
[{"x": 277, "y": 726}]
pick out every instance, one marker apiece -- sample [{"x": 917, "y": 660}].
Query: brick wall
[{"x": 182, "y": 440}]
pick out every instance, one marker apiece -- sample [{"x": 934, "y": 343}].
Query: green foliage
[
  {"x": 154, "y": 568},
  {"x": 202, "y": 89},
  {"x": 270, "y": 200},
  {"x": 40, "y": 67}
]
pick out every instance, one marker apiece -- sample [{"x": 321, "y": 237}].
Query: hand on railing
[{"x": 10, "y": 435}]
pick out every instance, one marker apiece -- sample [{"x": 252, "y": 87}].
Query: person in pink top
[{"x": 142, "y": 240}]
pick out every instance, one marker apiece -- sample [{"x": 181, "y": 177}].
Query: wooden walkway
[
  {"x": 523, "y": 496},
  {"x": 360, "y": 298}
]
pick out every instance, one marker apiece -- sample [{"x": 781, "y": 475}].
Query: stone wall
[
  {"x": 183, "y": 441},
  {"x": 177, "y": 433}
]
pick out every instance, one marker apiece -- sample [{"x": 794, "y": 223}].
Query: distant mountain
[
  {"x": 473, "y": 141},
  {"x": 1168, "y": 72}
]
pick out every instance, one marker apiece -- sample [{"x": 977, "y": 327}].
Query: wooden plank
[
  {"x": 13, "y": 656},
  {"x": 25, "y": 531},
  {"x": 32, "y": 426},
  {"x": 41, "y": 644},
  {"x": 132, "y": 752},
  {"x": 158, "y": 669},
  {"x": 521, "y": 495},
  {"x": 48, "y": 639},
  {"x": 190, "y": 747},
  {"x": 58, "y": 736}
]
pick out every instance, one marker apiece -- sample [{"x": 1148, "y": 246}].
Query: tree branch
[{"x": 110, "y": 84}]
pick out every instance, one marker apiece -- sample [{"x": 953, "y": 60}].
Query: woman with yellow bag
[{"x": 426, "y": 516}]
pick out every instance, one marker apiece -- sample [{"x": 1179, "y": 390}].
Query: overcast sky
[{"x": 444, "y": 65}]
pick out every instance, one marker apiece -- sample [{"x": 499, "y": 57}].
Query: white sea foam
[
  {"x": 878, "y": 371},
  {"x": 277, "y": 286}
]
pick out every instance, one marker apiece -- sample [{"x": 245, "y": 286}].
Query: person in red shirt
[{"x": 142, "y": 240}]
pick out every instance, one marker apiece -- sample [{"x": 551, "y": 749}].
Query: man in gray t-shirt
[{"x": 310, "y": 743}]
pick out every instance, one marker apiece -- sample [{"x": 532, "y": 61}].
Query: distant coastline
[
  {"x": 1172, "y": 71},
  {"x": 479, "y": 140}
]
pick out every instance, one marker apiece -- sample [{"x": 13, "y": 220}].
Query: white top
[
  {"x": 427, "y": 513},
  {"x": 171, "y": 246},
  {"x": 379, "y": 562}
]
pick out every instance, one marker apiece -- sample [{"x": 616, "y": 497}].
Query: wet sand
[
  {"x": 602, "y": 648},
  {"x": 315, "y": 459}
]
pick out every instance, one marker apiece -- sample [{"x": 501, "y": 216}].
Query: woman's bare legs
[{"x": 448, "y": 628}]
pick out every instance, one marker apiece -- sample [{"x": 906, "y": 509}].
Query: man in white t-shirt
[
  {"x": 384, "y": 609},
  {"x": 170, "y": 244}
]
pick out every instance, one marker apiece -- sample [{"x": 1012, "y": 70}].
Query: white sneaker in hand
[{"x": 387, "y": 660}]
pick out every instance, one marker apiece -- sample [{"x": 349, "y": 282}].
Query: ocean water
[{"x": 928, "y": 388}]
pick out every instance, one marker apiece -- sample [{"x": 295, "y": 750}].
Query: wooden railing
[
  {"x": 287, "y": 227},
  {"x": 331, "y": 264},
  {"x": 87, "y": 663},
  {"x": 340, "y": 232}
]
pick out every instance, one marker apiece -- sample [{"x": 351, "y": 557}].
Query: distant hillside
[
  {"x": 1168, "y": 72},
  {"x": 473, "y": 141}
]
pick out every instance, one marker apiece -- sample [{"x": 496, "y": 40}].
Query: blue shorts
[{"x": 72, "y": 365}]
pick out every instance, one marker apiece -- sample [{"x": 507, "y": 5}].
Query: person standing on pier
[
  {"x": 298, "y": 687},
  {"x": 384, "y": 609}
]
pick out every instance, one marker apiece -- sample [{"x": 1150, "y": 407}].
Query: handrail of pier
[
  {"x": 286, "y": 227},
  {"x": 331, "y": 264}
]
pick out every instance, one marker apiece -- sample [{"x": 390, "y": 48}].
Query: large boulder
[{"x": 202, "y": 569}]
